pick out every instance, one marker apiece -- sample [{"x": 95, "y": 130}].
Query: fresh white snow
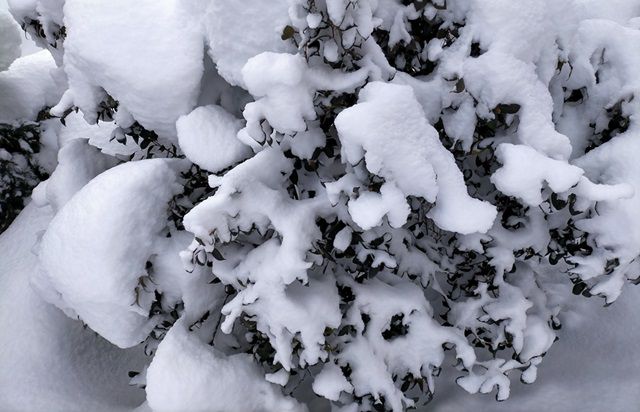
[
  {"x": 207, "y": 136},
  {"x": 93, "y": 258},
  {"x": 387, "y": 129},
  {"x": 367, "y": 210},
  {"x": 50, "y": 363},
  {"x": 10, "y": 34},
  {"x": 27, "y": 87},
  {"x": 187, "y": 374},
  {"x": 136, "y": 62}
]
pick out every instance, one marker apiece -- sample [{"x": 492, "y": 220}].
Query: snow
[
  {"x": 280, "y": 377},
  {"x": 187, "y": 374},
  {"x": 336, "y": 10},
  {"x": 461, "y": 123},
  {"x": 99, "y": 135},
  {"x": 525, "y": 171},
  {"x": 343, "y": 239},
  {"x": 136, "y": 62},
  {"x": 246, "y": 197},
  {"x": 608, "y": 80},
  {"x": 176, "y": 284},
  {"x": 27, "y": 87},
  {"x": 94, "y": 252},
  {"x": 282, "y": 197},
  {"x": 94, "y": 375},
  {"x": 497, "y": 77},
  {"x": 616, "y": 226},
  {"x": 27, "y": 45},
  {"x": 233, "y": 40},
  {"x": 330, "y": 382},
  {"x": 50, "y": 362},
  {"x": 593, "y": 367},
  {"x": 10, "y": 34},
  {"x": 374, "y": 360},
  {"x": 207, "y": 136},
  {"x": 286, "y": 100},
  {"x": 538, "y": 25},
  {"x": 78, "y": 163},
  {"x": 369, "y": 208},
  {"x": 284, "y": 88},
  {"x": 388, "y": 130},
  {"x": 48, "y": 11}
]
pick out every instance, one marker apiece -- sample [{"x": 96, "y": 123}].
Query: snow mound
[
  {"x": 27, "y": 87},
  {"x": 50, "y": 363},
  {"x": 96, "y": 248},
  {"x": 135, "y": 62},
  {"x": 187, "y": 374},
  {"x": 387, "y": 128},
  {"x": 233, "y": 40},
  {"x": 207, "y": 136}
]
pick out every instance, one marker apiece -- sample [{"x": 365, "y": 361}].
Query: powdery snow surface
[
  {"x": 27, "y": 87},
  {"x": 387, "y": 128},
  {"x": 525, "y": 172},
  {"x": 330, "y": 382},
  {"x": 10, "y": 35},
  {"x": 73, "y": 370},
  {"x": 274, "y": 265},
  {"x": 594, "y": 367},
  {"x": 363, "y": 202},
  {"x": 207, "y": 136},
  {"x": 78, "y": 163},
  {"x": 148, "y": 53},
  {"x": 50, "y": 363},
  {"x": 238, "y": 31},
  {"x": 284, "y": 88},
  {"x": 189, "y": 375},
  {"x": 95, "y": 250}
]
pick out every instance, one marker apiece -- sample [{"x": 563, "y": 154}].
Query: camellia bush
[{"x": 301, "y": 203}]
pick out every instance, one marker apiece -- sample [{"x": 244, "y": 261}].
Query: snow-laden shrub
[
  {"x": 19, "y": 169},
  {"x": 376, "y": 189},
  {"x": 23, "y": 102}
]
